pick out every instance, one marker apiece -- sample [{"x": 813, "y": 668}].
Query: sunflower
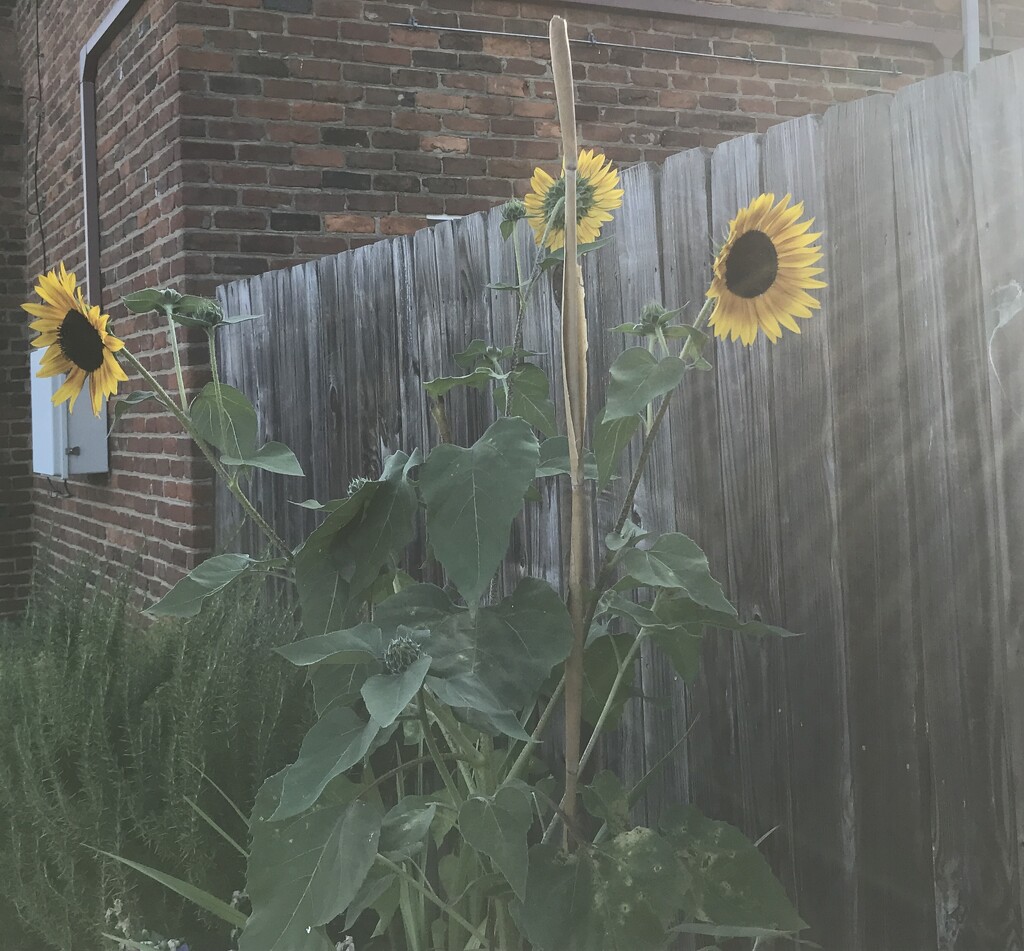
[
  {"x": 76, "y": 338},
  {"x": 597, "y": 194},
  {"x": 764, "y": 271}
]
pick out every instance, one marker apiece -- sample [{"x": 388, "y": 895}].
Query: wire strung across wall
[{"x": 592, "y": 41}]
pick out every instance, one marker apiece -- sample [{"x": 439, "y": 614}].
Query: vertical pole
[{"x": 972, "y": 33}]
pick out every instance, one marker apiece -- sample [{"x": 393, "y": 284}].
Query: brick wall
[
  {"x": 237, "y": 136},
  {"x": 15, "y": 483},
  {"x": 155, "y": 502}
]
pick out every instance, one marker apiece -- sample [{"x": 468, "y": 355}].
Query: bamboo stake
[{"x": 574, "y": 381}]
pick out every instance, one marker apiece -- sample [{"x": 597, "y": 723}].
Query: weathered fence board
[
  {"x": 952, "y": 496},
  {"x": 815, "y": 702},
  {"x": 859, "y": 483},
  {"x": 996, "y": 136}
]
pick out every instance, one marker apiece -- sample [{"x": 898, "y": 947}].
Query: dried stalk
[{"x": 574, "y": 380}]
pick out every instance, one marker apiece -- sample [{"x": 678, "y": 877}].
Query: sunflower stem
[
  {"x": 182, "y": 416},
  {"x": 172, "y": 335}
]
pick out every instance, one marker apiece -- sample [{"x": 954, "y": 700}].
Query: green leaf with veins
[
  {"x": 677, "y": 563},
  {"x": 611, "y": 437},
  {"x": 637, "y": 378},
  {"x": 186, "y": 598},
  {"x": 497, "y": 826},
  {"x": 304, "y": 872},
  {"x": 472, "y": 496},
  {"x": 531, "y": 398},
  {"x": 334, "y": 744}
]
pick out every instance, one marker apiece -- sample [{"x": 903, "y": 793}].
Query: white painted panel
[{"x": 49, "y": 424}]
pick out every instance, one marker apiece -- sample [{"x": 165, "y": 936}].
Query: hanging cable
[
  {"x": 39, "y": 132},
  {"x": 413, "y": 24}
]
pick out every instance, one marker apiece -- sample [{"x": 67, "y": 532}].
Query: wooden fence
[{"x": 862, "y": 483}]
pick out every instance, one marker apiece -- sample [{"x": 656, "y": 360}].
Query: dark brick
[
  {"x": 396, "y": 183},
  {"x": 289, "y": 6},
  {"x": 263, "y": 66},
  {"x": 347, "y": 180},
  {"x": 336, "y": 135},
  {"x": 236, "y": 85},
  {"x": 289, "y": 221}
]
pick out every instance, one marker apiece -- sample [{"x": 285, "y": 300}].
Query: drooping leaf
[
  {"x": 342, "y": 558},
  {"x": 600, "y": 666},
  {"x": 238, "y": 318},
  {"x": 509, "y": 649},
  {"x": 677, "y": 563},
  {"x": 607, "y": 799},
  {"x": 557, "y": 911},
  {"x": 370, "y": 892},
  {"x": 682, "y": 648},
  {"x": 497, "y": 826},
  {"x": 122, "y": 405},
  {"x": 335, "y": 743},
  {"x": 387, "y": 695},
  {"x": 477, "y": 380},
  {"x": 271, "y": 457},
  {"x": 306, "y": 871},
  {"x": 637, "y": 378},
  {"x": 154, "y": 298},
  {"x": 187, "y": 596},
  {"x": 224, "y": 417},
  {"x": 362, "y": 644},
  {"x": 472, "y": 495},
  {"x": 337, "y": 685},
  {"x": 407, "y": 825},
  {"x": 611, "y": 436},
  {"x": 554, "y": 459},
  {"x": 730, "y": 883},
  {"x": 531, "y": 398},
  {"x": 688, "y": 612}
]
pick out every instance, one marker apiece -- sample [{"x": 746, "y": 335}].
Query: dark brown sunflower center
[
  {"x": 752, "y": 265},
  {"x": 80, "y": 341}
]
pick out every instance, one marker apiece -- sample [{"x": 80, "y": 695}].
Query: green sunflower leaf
[
  {"x": 334, "y": 744},
  {"x": 224, "y": 417},
  {"x": 478, "y": 379},
  {"x": 187, "y": 596},
  {"x": 271, "y": 457},
  {"x": 611, "y": 436},
  {"x": 730, "y": 883},
  {"x": 637, "y": 379},
  {"x": 126, "y": 402},
  {"x": 472, "y": 496},
  {"x": 531, "y": 398},
  {"x": 387, "y": 695},
  {"x": 674, "y": 562},
  {"x": 306, "y": 871},
  {"x": 497, "y": 826}
]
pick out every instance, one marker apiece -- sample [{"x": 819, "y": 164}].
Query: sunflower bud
[
  {"x": 514, "y": 210},
  {"x": 356, "y": 484},
  {"x": 400, "y": 654}
]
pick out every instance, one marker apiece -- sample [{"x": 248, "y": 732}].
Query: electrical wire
[
  {"x": 413, "y": 24},
  {"x": 39, "y": 132}
]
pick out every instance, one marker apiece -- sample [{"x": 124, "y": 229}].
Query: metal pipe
[
  {"x": 972, "y": 33},
  {"x": 117, "y": 17}
]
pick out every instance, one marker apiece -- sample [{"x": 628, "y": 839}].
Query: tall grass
[{"x": 108, "y": 728}]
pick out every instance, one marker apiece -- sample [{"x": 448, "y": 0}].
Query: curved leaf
[
  {"x": 675, "y": 562},
  {"x": 497, "y": 826},
  {"x": 387, "y": 695},
  {"x": 224, "y": 417}
]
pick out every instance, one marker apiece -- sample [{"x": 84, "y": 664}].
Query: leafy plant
[
  {"x": 115, "y": 731},
  {"x": 418, "y": 813}
]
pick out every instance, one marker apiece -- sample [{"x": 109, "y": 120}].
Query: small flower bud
[
  {"x": 513, "y": 210},
  {"x": 400, "y": 654}
]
